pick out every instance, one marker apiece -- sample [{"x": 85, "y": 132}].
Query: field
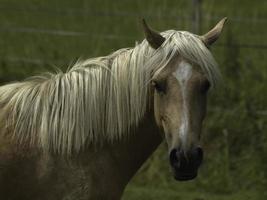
[{"x": 38, "y": 36}]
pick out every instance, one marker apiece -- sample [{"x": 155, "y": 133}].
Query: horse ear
[
  {"x": 211, "y": 37},
  {"x": 154, "y": 38}
]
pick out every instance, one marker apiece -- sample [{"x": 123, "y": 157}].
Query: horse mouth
[{"x": 180, "y": 176}]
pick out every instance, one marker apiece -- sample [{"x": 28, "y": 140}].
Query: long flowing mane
[{"x": 97, "y": 99}]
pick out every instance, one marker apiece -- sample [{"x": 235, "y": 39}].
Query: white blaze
[{"x": 183, "y": 74}]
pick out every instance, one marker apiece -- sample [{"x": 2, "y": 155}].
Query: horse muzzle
[{"x": 185, "y": 164}]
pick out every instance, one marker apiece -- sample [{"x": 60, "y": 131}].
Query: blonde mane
[{"x": 99, "y": 99}]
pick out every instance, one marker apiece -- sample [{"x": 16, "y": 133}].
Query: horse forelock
[{"x": 97, "y": 99}]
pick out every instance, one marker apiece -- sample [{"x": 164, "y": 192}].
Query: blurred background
[{"x": 36, "y": 36}]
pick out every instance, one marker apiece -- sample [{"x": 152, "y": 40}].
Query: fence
[{"x": 83, "y": 12}]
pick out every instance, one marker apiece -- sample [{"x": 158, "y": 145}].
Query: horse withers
[{"x": 84, "y": 133}]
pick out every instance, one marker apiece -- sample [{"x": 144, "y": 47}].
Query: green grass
[{"x": 148, "y": 193}]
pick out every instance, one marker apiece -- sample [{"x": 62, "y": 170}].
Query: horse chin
[{"x": 180, "y": 176}]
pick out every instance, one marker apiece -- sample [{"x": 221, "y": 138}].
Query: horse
[{"x": 84, "y": 133}]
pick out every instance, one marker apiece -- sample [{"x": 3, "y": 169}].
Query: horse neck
[
  {"x": 117, "y": 163},
  {"x": 133, "y": 152}
]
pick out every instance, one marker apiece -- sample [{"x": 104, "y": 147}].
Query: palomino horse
[{"x": 83, "y": 134}]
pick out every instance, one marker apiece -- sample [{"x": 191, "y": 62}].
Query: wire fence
[
  {"x": 105, "y": 13},
  {"x": 83, "y": 12},
  {"x": 30, "y": 30}
]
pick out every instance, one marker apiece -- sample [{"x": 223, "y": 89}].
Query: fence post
[{"x": 196, "y": 16}]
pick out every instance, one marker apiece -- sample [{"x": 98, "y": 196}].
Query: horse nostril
[
  {"x": 173, "y": 157},
  {"x": 200, "y": 153},
  {"x": 177, "y": 158},
  {"x": 197, "y": 155},
  {"x": 186, "y": 161}
]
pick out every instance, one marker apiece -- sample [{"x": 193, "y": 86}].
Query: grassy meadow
[{"x": 37, "y": 36}]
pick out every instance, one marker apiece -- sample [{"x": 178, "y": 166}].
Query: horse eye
[
  {"x": 160, "y": 87},
  {"x": 205, "y": 86}
]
